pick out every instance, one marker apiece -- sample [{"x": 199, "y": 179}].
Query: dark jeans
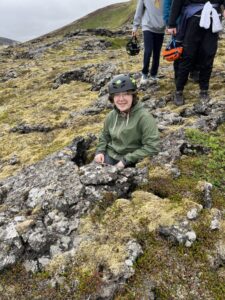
[
  {"x": 197, "y": 42},
  {"x": 194, "y": 69},
  {"x": 152, "y": 47},
  {"x": 111, "y": 161}
]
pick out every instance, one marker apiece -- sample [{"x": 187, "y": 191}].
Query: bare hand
[
  {"x": 120, "y": 165},
  {"x": 134, "y": 33},
  {"x": 99, "y": 158},
  {"x": 172, "y": 31}
]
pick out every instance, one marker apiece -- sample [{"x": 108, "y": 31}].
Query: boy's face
[{"x": 123, "y": 101}]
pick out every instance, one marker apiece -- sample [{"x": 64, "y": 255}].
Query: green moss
[
  {"x": 174, "y": 189},
  {"x": 89, "y": 283},
  {"x": 176, "y": 268},
  {"x": 210, "y": 167},
  {"x": 117, "y": 43},
  {"x": 18, "y": 284},
  {"x": 98, "y": 212},
  {"x": 194, "y": 169},
  {"x": 4, "y": 116}
]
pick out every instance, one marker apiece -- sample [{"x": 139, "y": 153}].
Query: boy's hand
[
  {"x": 99, "y": 158},
  {"x": 120, "y": 165}
]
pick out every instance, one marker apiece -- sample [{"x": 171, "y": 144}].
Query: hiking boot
[
  {"x": 179, "y": 98},
  {"x": 194, "y": 76},
  {"x": 144, "y": 79},
  {"x": 204, "y": 95}
]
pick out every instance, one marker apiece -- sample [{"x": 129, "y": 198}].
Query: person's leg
[
  {"x": 175, "y": 68},
  {"x": 208, "y": 51},
  {"x": 148, "y": 47},
  {"x": 157, "y": 46},
  {"x": 195, "y": 68},
  {"x": 194, "y": 74},
  {"x": 192, "y": 40}
]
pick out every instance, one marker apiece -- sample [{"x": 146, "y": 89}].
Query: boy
[{"x": 130, "y": 132}]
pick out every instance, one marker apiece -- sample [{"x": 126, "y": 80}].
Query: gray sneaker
[
  {"x": 204, "y": 95},
  {"x": 154, "y": 79},
  {"x": 144, "y": 79},
  {"x": 179, "y": 98}
]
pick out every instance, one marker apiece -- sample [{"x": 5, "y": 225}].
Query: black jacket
[{"x": 177, "y": 6}]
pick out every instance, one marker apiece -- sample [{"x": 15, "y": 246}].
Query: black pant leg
[
  {"x": 175, "y": 68},
  {"x": 191, "y": 44},
  {"x": 109, "y": 160},
  {"x": 207, "y": 53},
  {"x": 157, "y": 46},
  {"x": 148, "y": 47}
]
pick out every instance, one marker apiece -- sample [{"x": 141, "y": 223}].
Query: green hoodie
[{"x": 129, "y": 137}]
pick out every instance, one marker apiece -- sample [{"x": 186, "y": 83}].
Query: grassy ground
[{"x": 177, "y": 271}]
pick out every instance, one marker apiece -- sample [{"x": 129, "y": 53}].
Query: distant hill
[
  {"x": 111, "y": 17},
  {"x": 5, "y": 41}
]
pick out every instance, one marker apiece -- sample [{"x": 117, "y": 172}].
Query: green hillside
[{"x": 111, "y": 17}]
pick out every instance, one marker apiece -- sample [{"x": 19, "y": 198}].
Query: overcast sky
[{"x": 22, "y": 20}]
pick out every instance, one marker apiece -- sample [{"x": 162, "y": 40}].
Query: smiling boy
[{"x": 130, "y": 132}]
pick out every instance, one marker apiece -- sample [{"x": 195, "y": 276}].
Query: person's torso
[
  {"x": 126, "y": 132},
  {"x": 152, "y": 18}
]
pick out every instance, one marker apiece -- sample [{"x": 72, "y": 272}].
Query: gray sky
[{"x": 23, "y": 20}]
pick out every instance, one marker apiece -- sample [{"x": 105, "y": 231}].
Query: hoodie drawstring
[
  {"x": 114, "y": 126},
  {"x": 128, "y": 117}
]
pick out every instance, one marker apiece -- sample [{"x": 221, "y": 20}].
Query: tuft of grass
[
  {"x": 4, "y": 116},
  {"x": 77, "y": 284},
  {"x": 89, "y": 283},
  {"x": 174, "y": 189},
  {"x": 117, "y": 43}
]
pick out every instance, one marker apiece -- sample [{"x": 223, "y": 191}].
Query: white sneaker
[
  {"x": 154, "y": 79},
  {"x": 144, "y": 79}
]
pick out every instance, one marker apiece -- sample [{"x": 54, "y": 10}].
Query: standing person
[
  {"x": 149, "y": 13},
  {"x": 130, "y": 132},
  {"x": 199, "y": 27},
  {"x": 194, "y": 72},
  {"x": 166, "y": 14}
]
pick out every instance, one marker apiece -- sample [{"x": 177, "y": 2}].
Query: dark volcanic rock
[
  {"x": 98, "y": 75},
  {"x": 26, "y": 128},
  {"x": 11, "y": 74},
  {"x": 180, "y": 233},
  {"x": 45, "y": 202},
  {"x": 96, "y": 45}
]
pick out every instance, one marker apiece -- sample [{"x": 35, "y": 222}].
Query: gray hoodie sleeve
[{"x": 138, "y": 14}]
